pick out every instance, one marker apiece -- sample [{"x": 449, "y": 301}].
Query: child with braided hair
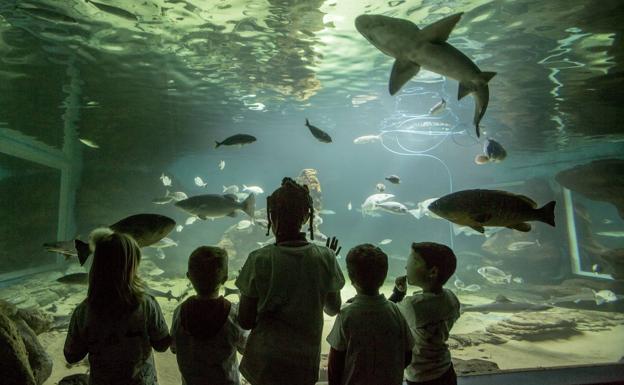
[{"x": 285, "y": 287}]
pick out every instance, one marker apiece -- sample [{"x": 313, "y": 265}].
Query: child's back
[{"x": 205, "y": 340}]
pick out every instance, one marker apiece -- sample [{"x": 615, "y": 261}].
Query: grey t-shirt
[
  {"x": 430, "y": 317},
  {"x": 375, "y": 337},
  {"x": 120, "y": 349},
  {"x": 290, "y": 284}
]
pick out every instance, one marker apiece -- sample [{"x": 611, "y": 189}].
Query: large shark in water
[{"x": 414, "y": 48}]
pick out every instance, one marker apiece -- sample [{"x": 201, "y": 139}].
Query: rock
[
  {"x": 37, "y": 320},
  {"x": 459, "y": 341},
  {"x": 474, "y": 366},
  {"x": 536, "y": 326},
  {"x": 14, "y": 364},
  {"x": 75, "y": 379}
]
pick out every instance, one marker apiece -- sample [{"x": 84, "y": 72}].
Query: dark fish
[
  {"x": 229, "y": 291},
  {"x": 600, "y": 180},
  {"x": 393, "y": 179},
  {"x": 238, "y": 139},
  {"x": 75, "y": 279},
  {"x": 492, "y": 152},
  {"x": 319, "y": 134},
  {"x": 75, "y": 379},
  {"x": 168, "y": 295},
  {"x": 146, "y": 229},
  {"x": 216, "y": 205},
  {"x": 504, "y": 305},
  {"x": 479, "y": 208},
  {"x": 115, "y": 11}
]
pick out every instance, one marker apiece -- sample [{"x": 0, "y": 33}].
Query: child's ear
[{"x": 433, "y": 272}]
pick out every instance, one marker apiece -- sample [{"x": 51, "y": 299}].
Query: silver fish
[
  {"x": 494, "y": 275},
  {"x": 438, "y": 107}
]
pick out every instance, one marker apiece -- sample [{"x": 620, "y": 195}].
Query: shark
[
  {"x": 504, "y": 305},
  {"x": 415, "y": 48}
]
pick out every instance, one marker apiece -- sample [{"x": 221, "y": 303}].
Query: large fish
[
  {"x": 504, "y": 305},
  {"x": 319, "y": 134},
  {"x": 236, "y": 140},
  {"x": 600, "y": 180},
  {"x": 479, "y": 208},
  {"x": 146, "y": 229},
  {"x": 217, "y": 205},
  {"x": 414, "y": 48}
]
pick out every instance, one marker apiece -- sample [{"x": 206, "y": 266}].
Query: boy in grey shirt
[
  {"x": 370, "y": 342},
  {"x": 430, "y": 314}
]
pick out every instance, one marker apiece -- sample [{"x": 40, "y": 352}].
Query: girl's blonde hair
[{"x": 113, "y": 282}]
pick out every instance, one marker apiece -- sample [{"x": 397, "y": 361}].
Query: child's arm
[
  {"x": 333, "y": 301},
  {"x": 75, "y": 348},
  {"x": 335, "y": 366},
  {"x": 157, "y": 329},
  {"x": 399, "y": 290},
  {"x": 247, "y": 312}
]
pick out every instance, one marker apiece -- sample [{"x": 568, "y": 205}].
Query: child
[
  {"x": 204, "y": 330},
  {"x": 370, "y": 342},
  {"x": 430, "y": 314},
  {"x": 284, "y": 289},
  {"x": 118, "y": 324}
]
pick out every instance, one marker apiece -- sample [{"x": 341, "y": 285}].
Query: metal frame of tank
[{"x": 67, "y": 160}]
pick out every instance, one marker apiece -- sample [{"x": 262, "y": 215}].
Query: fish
[
  {"x": 242, "y": 225},
  {"x": 611, "y": 234},
  {"x": 492, "y": 152},
  {"x": 165, "y": 242},
  {"x": 409, "y": 203},
  {"x": 327, "y": 212},
  {"x": 479, "y": 208},
  {"x": 190, "y": 220},
  {"x": 385, "y": 241},
  {"x": 319, "y": 134},
  {"x": 380, "y": 187},
  {"x": 89, "y": 143},
  {"x": 74, "y": 279},
  {"x": 438, "y": 107},
  {"x": 217, "y": 205},
  {"x": 162, "y": 200},
  {"x": 167, "y": 295},
  {"x": 600, "y": 180},
  {"x": 146, "y": 229},
  {"x": 370, "y": 203},
  {"x": 503, "y": 304},
  {"x": 596, "y": 268},
  {"x": 270, "y": 241},
  {"x": 471, "y": 288},
  {"x": 422, "y": 209},
  {"x": 155, "y": 272},
  {"x": 392, "y": 207},
  {"x": 66, "y": 248},
  {"x": 233, "y": 189},
  {"x": 261, "y": 222},
  {"x": 229, "y": 291},
  {"x": 236, "y": 140},
  {"x": 522, "y": 245},
  {"x": 604, "y": 296},
  {"x": 518, "y": 280},
  {"x": 177, "y": 195},
  {"x": 200, "y": 182},
  {"x": 458, "y": 283},
  {"x": 253, "y": 189},
  {"x": 393, "y": 179},
  {"x": 467, "y": 231},
  {"x": 160, "y": 254},
  {"x": 179, "y": 228},
  {"x": 427, "y": 48},
  {"x": 221, "y": 165},
  {"x": 349, "y": 206},
  {"x": 366, "y": 139},
  {"x": 166, "y": 181},
  {"x": 120, "y": 12},
  {"x": 494, "y": 275}
]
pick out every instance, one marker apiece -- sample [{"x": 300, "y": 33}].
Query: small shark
[
  {"x": 503, "y": 304},
  {"x": 414, "y": 48}
]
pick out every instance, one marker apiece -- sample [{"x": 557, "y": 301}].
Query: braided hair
[{"x": 290, "y": 204}]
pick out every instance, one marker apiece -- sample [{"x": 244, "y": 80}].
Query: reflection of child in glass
[
  {"x": 204, "y": 329},
  {"x": 118, "y": 324},
  {"x": 430, "y": 314},
  {"x": 284, "y": 289},
  {"x": 370, "y": 342}
]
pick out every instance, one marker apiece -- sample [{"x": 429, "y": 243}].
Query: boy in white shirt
[
  {"x": 205, "y": 333},
  {"x": 430, "y": 314},
  {"x": 370, "y": 341}
]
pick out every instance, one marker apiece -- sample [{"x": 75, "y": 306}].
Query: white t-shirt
[
  {"x": 375, "y": 337},
  {"x": 430, "y": 317},
  {"x": 120, "y": 350},
  {"x": 209, "y": 360},
  {"x": 291, "y": 284}
]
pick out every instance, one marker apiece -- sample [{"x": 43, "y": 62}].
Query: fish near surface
[
  {"x": 216, "y": 205},
  {"x": 479, "y": 208},
  {"x": 414, "y": 48},
  {"x": 319, "y": 134},
  {"x": 236, "y": 140}
]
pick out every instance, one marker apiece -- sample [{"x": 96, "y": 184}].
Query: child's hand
[
  {"x": 401, "y": 283},
  {"x": 332, "y": 243}
]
